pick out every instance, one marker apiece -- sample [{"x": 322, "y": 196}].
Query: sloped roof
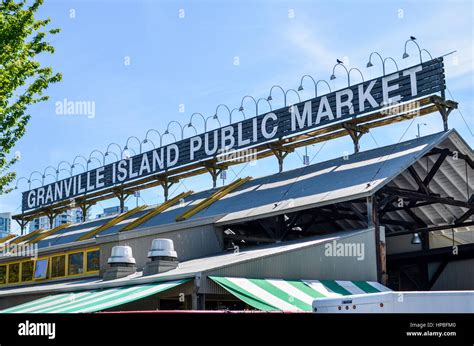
[
  {"x": 187, "y": 269},
  {"x": 337, "y": 180}
]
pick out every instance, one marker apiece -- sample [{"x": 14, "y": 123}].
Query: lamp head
[
  {"x": 416, "y": 239},
  {"x": 405, "y": 55},
  {"x": 332, "y": 77},
  {"x": 300, "y": 88},
  {"x": 369, "y": 64}
]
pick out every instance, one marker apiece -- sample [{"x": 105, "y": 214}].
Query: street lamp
[
  {"x": 180, "y": 126},
  {"x": 81, "y": 157},
  {"x": 418, "y": 127},
  {"x": 293, "y": 90},
  {"x": 214, "y": 117},
  {"x": 356, "y": 69},
  {"x": 159, "y": 134},
  {"x": 203, "y": 119},
  {"x": 59, "y": 167},
  {"x": 128, "y": 139},
  {"x": 300, "y": 88},
  {"x": 333, "y": 76},
  {"x": 97, "y": 151},
  {"x": 405, "y": 54},
  {"x": 265, "y": 100},
  {"x": 228, "y": 111},
  {"x": 242, "y": 104},
  {"x": 20, "y": 179},
  {"x": 107, "y": 151},
  {"x": 369, "y": 63},
  {"x": 270, "y": 98}
]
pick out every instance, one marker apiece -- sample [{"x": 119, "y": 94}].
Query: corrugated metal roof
[{"x": 337, "y": 180}]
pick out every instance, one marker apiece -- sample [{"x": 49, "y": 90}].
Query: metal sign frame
[{"x": 278, "y": 132}]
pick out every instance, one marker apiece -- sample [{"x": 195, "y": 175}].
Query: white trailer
[{"x": 399, "y": 302}]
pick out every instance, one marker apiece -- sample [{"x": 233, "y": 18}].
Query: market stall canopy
[
  {"x": 92, "y": 301},
  {"x": 292, "y": 295}
]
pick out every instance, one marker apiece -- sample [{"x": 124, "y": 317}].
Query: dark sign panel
[{"x": 424, "y": 79}]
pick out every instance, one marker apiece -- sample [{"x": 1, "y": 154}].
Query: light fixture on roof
[
  {"x": 415, "y": 239},
  {"x": 163, "y": 257}
]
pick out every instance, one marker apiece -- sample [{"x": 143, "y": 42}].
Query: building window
[
  {"x": 13, "y": 273},
  {"x": 27, "y": 270},
  {"x": 3, "y": 274},
  {"x": 93, "y": 261},
  {"x": 76, "y": 263},
  {"x": 58, "y": 266},
  {"x": 41, "y": 269}
]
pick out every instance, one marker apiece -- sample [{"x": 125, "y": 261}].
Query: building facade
[{"x": 5, "y": 224}]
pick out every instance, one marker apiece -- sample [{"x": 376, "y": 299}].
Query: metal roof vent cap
[
  {"x": 162, "y": 248},
  {"x": 162, "y": 257},
  {"x": 121, "y": 263},
  {"x": 121, "y": 255}
]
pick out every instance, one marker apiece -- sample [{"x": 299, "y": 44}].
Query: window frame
[
  {"x": 48, "y": 277},
  {"x": 19, "y": 273},
  {"x": 83, "y": 262},
  {"x": 87, "y": 271},
  {"x": 6, "y": 274},
  {"x": 65, "y": 266},
  {"x": 49, "y": 267},
  {"x": 32, "y": 273}
]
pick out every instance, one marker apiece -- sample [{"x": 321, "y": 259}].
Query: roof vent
[
  {"x": 162, "y": 248},
  {"x": 162, "y": 257},
  {"x": 121, "y": 256},
  {"x": 121, "y": 263}
]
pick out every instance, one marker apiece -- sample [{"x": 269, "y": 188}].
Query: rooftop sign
[{"x": 404, "y": 85}]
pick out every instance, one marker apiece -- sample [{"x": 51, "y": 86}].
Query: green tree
[{"x": 23, "y": 79}]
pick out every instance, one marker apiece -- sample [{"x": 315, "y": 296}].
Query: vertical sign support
[
  {"x": 51, "y": 216},
  {"x": 22, "y": 224},
  {"x": 122, "y": 196},
  {"x": 166, "y": 183},
  {"x": 84, "y": 209},
  {"x": 356, "y": 133},
  {"x": 280, "y": 153},
  {"x": 214, "y": 171},
  {"x": 373, "y": 221},
  {"x": 445, "y": 108}
]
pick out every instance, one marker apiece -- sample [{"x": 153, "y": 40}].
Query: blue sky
[{"x": 190, "y": 61}]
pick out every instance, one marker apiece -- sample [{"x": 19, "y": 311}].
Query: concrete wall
[
  {"x": 191, "y": 243},
  {"x": 304, "y": 263},
  {"x": 458, "y": 275}
]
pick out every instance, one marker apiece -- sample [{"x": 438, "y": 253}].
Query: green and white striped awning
[
  {"x": 292, "y": 295},
  {"x": 92, "y": 301}
]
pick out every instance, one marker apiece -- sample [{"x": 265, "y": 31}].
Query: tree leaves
[{"x": 23, "y": 80}]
